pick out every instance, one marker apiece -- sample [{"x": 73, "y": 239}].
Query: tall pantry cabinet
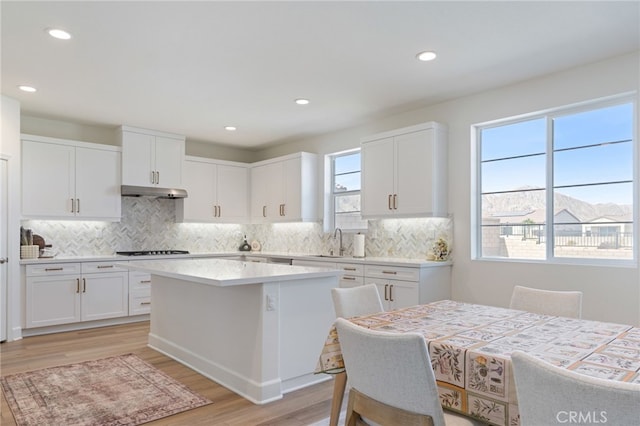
[{"x": 404, "y": 172}]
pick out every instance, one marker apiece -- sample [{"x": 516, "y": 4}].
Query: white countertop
[
  {"x": 223, "y": 272},
  {"x": 384, "y": 261}
]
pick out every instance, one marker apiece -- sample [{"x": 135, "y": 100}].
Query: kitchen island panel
[{"x": 258, "y": 340}]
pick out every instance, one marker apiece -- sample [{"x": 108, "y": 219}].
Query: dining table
[{"x": 470, "y": 347}]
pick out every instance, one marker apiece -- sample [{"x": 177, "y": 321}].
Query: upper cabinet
[
  {"x": 151, "y": 158},
  {"x": 284, "y": 189},
  {"x": 404, "y": 172},
  {"x": 64, "y": 179},
  {"x": 218, "y": 191}
]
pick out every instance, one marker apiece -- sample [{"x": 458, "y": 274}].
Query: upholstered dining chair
[
  {"x": 549, "y": 395},
  {"x": 547, "y": 302},
  {"x": 356, "y": 301},
  {"x": 392, "y": 381}
]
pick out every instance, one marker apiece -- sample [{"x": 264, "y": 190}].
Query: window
[
  {"x": 345, "y": 191},
  {"x": 558, "y": 185}
]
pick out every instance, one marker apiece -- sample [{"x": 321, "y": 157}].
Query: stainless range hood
[{"x": 151, "y": 191}]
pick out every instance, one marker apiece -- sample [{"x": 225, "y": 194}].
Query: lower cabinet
[
  {"x": 139, "y": 293},
  {"x": 62, "y": 293}
]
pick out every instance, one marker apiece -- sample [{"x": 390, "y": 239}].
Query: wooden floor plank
[{"x": 299, "y": 408}]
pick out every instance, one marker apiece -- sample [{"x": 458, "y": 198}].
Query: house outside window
[
  {"x": 558, "y": 185},
  {"x": 345, "y": 191}
]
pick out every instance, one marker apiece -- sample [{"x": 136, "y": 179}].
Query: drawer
[
  {"x": 392, "y": 272},
  {"x": 351, "y": 281},
  {"x": 351, "y": 268},
  {"x": 50, "y": 269},
  {"x": 139, "y": 304},
  {"x": 139, "y": 281},
  {"x": 95, "y": 267}
]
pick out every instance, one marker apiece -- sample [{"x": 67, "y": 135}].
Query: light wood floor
[{"x": 299, "y": 408}]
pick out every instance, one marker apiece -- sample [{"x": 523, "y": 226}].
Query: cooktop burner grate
[{"x": 150, "y": 252}]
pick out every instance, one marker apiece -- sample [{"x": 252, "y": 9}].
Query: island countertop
[{"x": 224, "y": 272}]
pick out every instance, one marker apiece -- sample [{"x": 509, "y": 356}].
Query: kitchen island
[{"x": 255, "y": 328}]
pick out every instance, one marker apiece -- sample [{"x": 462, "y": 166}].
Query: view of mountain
[{"x": 528, "y": 201}]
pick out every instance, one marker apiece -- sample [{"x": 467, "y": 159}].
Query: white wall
[
  {"x": 610, "y": 293},
  {"x": 10, "y": 147}
]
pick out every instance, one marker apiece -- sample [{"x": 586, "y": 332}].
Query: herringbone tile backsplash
[{"x": 149, "y": 224}]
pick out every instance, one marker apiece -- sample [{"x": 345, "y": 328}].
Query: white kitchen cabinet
[
  {"x": 404, "y": 172},
  {"x": 62, "y": 293},
  {"x": 139, "y": 293},
  {"x": 151, "y": 158},
  {"x": 403, "y": 286},
  {"x": 284, "y": 189},
  {"x": 64, "y": 179},
  {"x": 218, "y": 191},
  {"x": 353, "y": 273}
]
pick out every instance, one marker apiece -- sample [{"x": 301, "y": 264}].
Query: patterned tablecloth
[{"x": 470, "y": 347}]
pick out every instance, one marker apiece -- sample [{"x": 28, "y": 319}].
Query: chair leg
[
  {"x": 339, "y": 384},
  {"x": 352, "y": 417}
]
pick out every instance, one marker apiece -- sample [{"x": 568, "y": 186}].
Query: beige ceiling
[{"x": 194, "y": 67}]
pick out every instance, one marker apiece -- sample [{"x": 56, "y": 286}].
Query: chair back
[
  {"x": 547, "y": 302},
  {"x": 392, "y": 368},
  {"x": 552, "y": 395},
  {"x": 356, "y": 301}
]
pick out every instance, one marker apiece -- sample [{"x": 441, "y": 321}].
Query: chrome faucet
[{"x": 334, "y": 237}]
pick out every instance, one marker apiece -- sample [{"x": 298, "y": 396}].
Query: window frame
[
  {"x": 331, "y": 195},
  {"x": 550, "y": 115}
]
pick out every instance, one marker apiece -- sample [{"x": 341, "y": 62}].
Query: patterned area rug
[{"x": 120, "y": 390}]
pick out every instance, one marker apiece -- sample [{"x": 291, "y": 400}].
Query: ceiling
[{"x": 193, "y": 68}]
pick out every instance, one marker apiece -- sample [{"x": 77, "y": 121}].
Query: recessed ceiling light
[
  {"x": 426, "y": 56},
  {"x": 58, "y": 33},
  {"x": 27, "y": 88},
  {"x": 230, "y": 128},
  {"x": 302, "y": 101}
]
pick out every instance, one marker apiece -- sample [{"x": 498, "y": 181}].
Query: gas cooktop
[{"x": 150, "y": 252}]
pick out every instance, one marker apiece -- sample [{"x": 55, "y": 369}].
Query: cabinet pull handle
[
  {"x": 349, "y": 269},
  {"x": 215, "y": 211},
  {"x": 389, "y": 202},
  {"x": 77, "y": 205},
  {"x": 105, "y": 266},
  {"x": 284, "y": 213},
  {"x": 77, "y": 285},
  {"x": 395, "y": 201},
  {"x": 219, "y": 211},
  {"x": 158, "y": 177},
  {"x": 145, "y": 303},
  {"x": 391, "y": 293},
  {"x": 145, "y": 281},
  {"x": 84, "y": 285},
  {"x": 349, "y": 278},
  {"x": 264, "y": 211},
  {"x": 386, "y": 286},
  {"x": 390, "y": 272},
  {"x": 53, "y": 269},
  {"x": 153, "y": 177},
  {"x": 73, "y": 206}
]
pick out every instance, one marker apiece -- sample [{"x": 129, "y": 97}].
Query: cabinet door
[
  {"x": 199, "y": 180},
  {"x": 378, "y": 177},
  {"x": 137, "y": 159},
  {"x": 292, "y": 181},
  {"x": 232, "y": 200},
  {"x": 259, "y": 193},
  {"x": 48, "y": 179},
  {"x": 169, "y": 153},
  {"x": 98, "y": 183},
  {"x": 52, "y": 300},
  {"x": 414, "y": 172},
  {"x": 396, "y": 294},
  {"x": 267, "y": 192},
  {"x": 105, "y": 296}
]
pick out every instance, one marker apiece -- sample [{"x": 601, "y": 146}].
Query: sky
[{"x": 575, "y": 161}]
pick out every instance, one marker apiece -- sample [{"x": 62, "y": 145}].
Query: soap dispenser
[{"x": 245, "y": 245}]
